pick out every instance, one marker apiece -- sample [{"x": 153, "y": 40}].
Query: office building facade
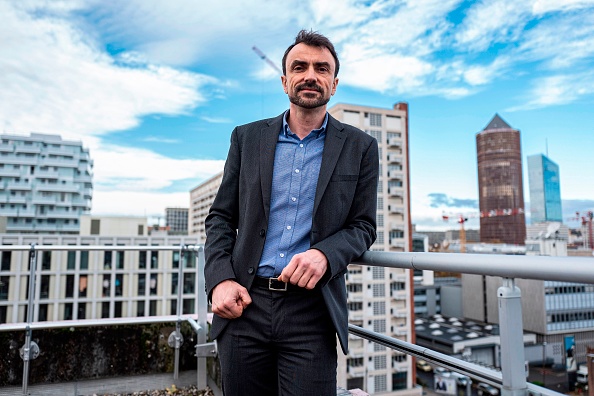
[
  {"x": 176, "y": 219},
  {"x": 96, "y": 284},
  {"x": 380, "y": 299},
  {"x": 545, "y": 189},
  {"x": 201, "y": 198},
  {"x": 501, "y": 195},
  {"x": 46, "y": 183}
]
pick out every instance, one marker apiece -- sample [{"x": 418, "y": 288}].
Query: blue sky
[{"x": 154, "y": 88}]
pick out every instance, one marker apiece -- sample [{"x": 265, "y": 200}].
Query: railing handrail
[
  {"x": 565, "y": 269},
  {"x": 193, "y": 247}
]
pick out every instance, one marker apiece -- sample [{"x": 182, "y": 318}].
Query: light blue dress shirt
[{"x": 295, "y": 177}]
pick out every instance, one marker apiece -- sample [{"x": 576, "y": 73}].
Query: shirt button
[
  {"x": 296, "y": 170},
  {"x": 288, "y": 227},
  {"x": 282, "y": 255},
  {"x": 262, "y": 233},
  {"x": 301, "y": 145},
  {"x": 293, "y": 199}
]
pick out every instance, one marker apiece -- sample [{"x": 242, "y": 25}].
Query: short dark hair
[{"x": 313, "y": 39}]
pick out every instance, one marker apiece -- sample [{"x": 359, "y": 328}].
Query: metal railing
[
  {"x": 198, "y": 322},
  {"x": 511, "y": 379}
]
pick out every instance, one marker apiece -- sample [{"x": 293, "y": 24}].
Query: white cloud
[
  {"x": 60, "y": 82},
  {"x": 489, "y": 22},
  {"x": 544, "y": 6},
  {"x": 137, "y": 203},
  {"x": 216, "y": 120},
  {"x": 558, "y": 90},
  {"x": 157, "y": 139}
]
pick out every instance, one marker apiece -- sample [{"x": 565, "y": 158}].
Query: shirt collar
[{"x": 315, "y": 132}]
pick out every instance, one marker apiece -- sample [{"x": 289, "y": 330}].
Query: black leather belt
[{"x": 274, "y": 284}]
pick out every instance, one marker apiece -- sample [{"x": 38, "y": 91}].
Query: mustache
[{"x": 311, "y": 86}]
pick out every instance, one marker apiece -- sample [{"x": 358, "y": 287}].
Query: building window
[
  {"x": 107, "y": 259},
  {"x": 399, "y": 380},
  {"x": 154, "y": 260},
  {"x": 68, "y": 311},
  {"x": 380, "y": 383},
  {"x": 105, "y": 309},
  {"x": 82, "y": 286},
  {"x": 173, "y": 307},
  {"x": 42, "y": 317},
  {"x": 152, "y": 308},
  {"x": 379, "y": 362},
  {"x": 379, "y": 290},
  {"x": 71, "y": 260},
  {"x": 378, "y": 347},
  {"x": 153, "y": 285},
  {"x": 69, "y": 286},
  {"x": 142, "y": 259},
  {"x": 378, "y": 272},
  {"x": 189, "y": 283},
  {"x": 140, "y": 308},
  {"x": 175, "y": 259},
  {"x": 95, "y": 226},
  {"x": 188, "y": 306},
  {"x": 84, "y": 260},
  {"x": 4, "y": 282},
  {"x": 379, "y": 326},
  {"x": 82, "y": 311},
  {"x": 106, "y": 285},
  {"x": 119, "y": 285},
  {"x": 120, "y": 260},
  {"x": 6, "y": 258},
  {"x": 117, "y": 309},
  {"x": 3, "y": 314},
  {"x": 46, "y": 260},
  {"x": 379, "y": 308},
  {"x": 45, "y": 287},
  {"x": 141, "y": 284}
]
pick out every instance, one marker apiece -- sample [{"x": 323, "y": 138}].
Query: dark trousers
[{"x": 284, "y": 344}]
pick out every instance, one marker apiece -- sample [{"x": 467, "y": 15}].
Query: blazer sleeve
[
  {"x": 222, "y": 221},
  {"x": 358, "y": 232}
]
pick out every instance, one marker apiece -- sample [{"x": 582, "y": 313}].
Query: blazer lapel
[
  {"x": 335, "y": 138},
  {"x": 268, "y": 140}
]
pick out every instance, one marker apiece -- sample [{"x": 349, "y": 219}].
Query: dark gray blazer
[{"x": 343, "y": 223}]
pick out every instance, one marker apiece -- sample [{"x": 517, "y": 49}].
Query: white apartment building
[
  {"x": 46, "y": 183},
  {"x": 380, "y": 299},
  {"x": 201, "y": 198},
  {"x": 97, "y": 284}
]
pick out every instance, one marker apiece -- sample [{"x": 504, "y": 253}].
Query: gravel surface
[{"x": 171, "y": 391}]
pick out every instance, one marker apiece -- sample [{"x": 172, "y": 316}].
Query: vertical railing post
[
  {"x": 30, "y": 313},
  {"x": 512, "y": 339},
  {"x": 178, "y": 337},
  {"x": 202, "y": 320}
]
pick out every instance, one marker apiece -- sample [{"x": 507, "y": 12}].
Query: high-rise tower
[
  {"x": 545, "y": 191},
  {"x": 501, "y": 197}
]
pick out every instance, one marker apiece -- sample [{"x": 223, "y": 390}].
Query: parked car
[
  {"x": 486, "y": 389},
  {"x": 423, "y": 366},
  {"x": 461, "y": 379},
  {"x": 441, "y": 371}
]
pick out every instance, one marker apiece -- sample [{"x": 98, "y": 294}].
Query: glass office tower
[{"x": 545, "y": 190}]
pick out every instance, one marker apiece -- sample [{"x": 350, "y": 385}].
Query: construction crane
[
  {"x": 586, "y": 221},
  {"x": 462, "y": 218},
  {"x": 265, "y": 59}
]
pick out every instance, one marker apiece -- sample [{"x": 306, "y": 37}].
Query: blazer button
[
  {"x": 262, "y": 233},
  {"x": 251, "y": 270}
]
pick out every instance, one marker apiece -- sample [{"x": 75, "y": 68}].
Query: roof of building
[{"x": 497, "y": 123}]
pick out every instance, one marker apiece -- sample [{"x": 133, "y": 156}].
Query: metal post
[
  {"x": 180, "y": 276},
  {"x": 544, "y": 356},
  {"x": 30, "y": 312},
  {"x": 512, "y": 339},
  {"x": 202, "y": 313}
]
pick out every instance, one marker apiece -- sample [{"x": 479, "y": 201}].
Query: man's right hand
[{"x": 229, "y": 299}]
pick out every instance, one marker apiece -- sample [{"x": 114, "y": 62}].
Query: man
[{"x": 296, "y": 205}]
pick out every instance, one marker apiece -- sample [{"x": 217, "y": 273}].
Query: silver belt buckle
[{"x": 276, "y": 285}]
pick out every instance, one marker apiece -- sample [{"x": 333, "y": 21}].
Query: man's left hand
[{"x": 305, "y": 269}]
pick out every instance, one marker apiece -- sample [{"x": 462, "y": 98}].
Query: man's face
[{"x": 310, "y": 80}]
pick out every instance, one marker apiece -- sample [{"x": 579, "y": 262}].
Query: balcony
[
  {"x": 510, "y": 378},
  {"x": 18, "y": 186},
  {"x": 58, "y": 187}
]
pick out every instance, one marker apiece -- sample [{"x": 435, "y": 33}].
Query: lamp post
[{"x": 544, "y": 348}]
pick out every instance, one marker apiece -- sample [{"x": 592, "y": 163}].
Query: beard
[{"x": 308, "y": 100}]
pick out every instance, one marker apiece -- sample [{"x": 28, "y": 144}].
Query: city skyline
[{"x": 155, "y": 90}]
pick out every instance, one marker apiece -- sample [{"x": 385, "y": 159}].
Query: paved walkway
[{"x": 104, "y": 386}]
